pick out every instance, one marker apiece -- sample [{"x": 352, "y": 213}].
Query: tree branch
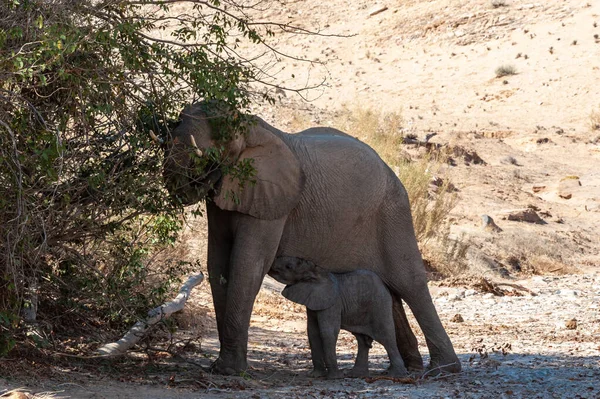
[{"x": 137, "y": 332}]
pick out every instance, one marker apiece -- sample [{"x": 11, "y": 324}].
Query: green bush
[{"x": 83, "y": 211}]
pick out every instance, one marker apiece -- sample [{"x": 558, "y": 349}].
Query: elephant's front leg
[
  {"x": 361, "y": 365},
  {"x": 316, "y": 345},
  {"x": 329, "y": 326},
  {"x": 220, "y": 243},
  {"x": 254, "y": 246}
]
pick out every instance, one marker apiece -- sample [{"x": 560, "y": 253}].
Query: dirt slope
[{"x": 435, "y": 62}]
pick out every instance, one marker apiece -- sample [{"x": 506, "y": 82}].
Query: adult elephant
[{"x": 320, "y": 195}]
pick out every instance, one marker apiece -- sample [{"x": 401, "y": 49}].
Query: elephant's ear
[
  {"x": 318, "y": 295},
  {"x": 279, "y": 179}
]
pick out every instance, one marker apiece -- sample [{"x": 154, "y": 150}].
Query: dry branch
[{"x": 137, "y": 332}]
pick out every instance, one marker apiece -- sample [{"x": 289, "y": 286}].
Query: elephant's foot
[
  {"x": 221, "y": 366},
  {"x": 413, "y": 362},
  {"x": 335, "y": 374},
  {"x": 357, "y": 373},
  {"x": 396, "y": 371},
  {"x": 316, "y": 373}
]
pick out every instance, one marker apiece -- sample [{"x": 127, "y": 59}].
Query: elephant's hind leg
[
  {"x": 406, "y": 340},
  {"x": 361, "y": 365}
]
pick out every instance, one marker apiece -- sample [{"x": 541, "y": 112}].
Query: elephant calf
[{"x": 356, "y": 301}]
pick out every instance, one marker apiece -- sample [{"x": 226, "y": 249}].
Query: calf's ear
[{"x": 318, "y": 295}]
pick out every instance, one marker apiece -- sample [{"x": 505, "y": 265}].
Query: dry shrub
[
  {"x": 382, "y": 131},
  {"x": 446, "y": 256},
  {"x": 505, "y": 70},
  {"x": 498, "y": 3},
  {"x": 539, "y": 254},
  {"x": 549, "y": 264},
  {"x": 430, "y": 208}
]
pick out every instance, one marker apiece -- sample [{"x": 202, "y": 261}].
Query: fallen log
[{"x": 137, "y": 332}]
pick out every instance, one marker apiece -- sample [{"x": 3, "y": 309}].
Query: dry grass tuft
[
  {"x": 595, "y": 120},
  {"x": 498, "y": 3},
  {"x": 447, "y": 256},
  {"x": 382, "y": 131},
  {"x": 505, "y": 70},
  {"x": 541, "y": 254}
]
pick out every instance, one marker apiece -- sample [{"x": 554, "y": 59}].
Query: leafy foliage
[{"x": 83, "y": 211}]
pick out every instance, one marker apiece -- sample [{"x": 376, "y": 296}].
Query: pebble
[{"x": 567, "y": 293}]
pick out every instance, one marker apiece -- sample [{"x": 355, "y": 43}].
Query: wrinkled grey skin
[
  {"x": 320, "y": 195},
  {"x": 356, "y": 301}
]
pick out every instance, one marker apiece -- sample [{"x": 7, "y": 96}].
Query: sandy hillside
[{"x": 433, "y": 62}]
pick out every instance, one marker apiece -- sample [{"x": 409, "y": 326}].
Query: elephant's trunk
[{"x": 182, "y": 180}]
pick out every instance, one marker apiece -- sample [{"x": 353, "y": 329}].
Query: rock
[
  {"x": 538, "y": 188},
  {"x": 592, "y": 206},
  {"x": 377, "y": 9},
  {"x": 523, "y": 215},
  {"x": 470, "y": 292},
  {"x": 457, "y": 319},
  {"x": 468, "y": 156},
  {"x": 567, "y": 293},
  {"x": 488, "y": 224},
  {"x": 571, "y": 324},
  {"x": 567, "y": 185},
  {"x": 454, "y": 298}
]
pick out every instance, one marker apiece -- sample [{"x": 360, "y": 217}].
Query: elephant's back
[{"x": 324, "y": 131}]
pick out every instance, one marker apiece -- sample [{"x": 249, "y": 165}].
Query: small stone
[
  {"x": 454, "y": 298},
  {"x": 567, "y": 293},
  {"x": 457, "y": 318},
  {"x": 538, "y": 187},
  {"x": 567, "y": 185},
  {"x": 524, "y": 215},
  {"x": 488, "y": 224},
  {"x": 571, "y": 324},
  {"x": 470, "y": 292}
]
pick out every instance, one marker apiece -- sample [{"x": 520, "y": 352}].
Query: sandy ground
[
  {"x": 540, "y": 340},
  {"x": 435, "y": 62}
]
